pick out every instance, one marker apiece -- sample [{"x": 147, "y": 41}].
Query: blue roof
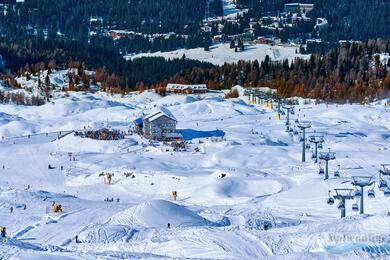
[{"x": 138, "y": 121}]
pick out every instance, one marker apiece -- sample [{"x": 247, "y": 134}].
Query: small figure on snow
[
  {"x": 77, "y": 239},
  {"x": 12, "y": 209},
  {"x": 3, "y": 234},
  {"x": 169, "y": 225}
]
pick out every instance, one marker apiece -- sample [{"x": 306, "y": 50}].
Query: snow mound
[
  {"x": 176, "y": 100},
  {"x": 157, "y": 213}
]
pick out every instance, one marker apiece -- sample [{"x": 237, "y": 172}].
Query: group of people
[{"x": 111, "y": 199}]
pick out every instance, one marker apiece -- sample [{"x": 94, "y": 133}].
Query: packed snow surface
[
  {"x": 221, "y": 53},
  {"x": 242, "y": 190}
]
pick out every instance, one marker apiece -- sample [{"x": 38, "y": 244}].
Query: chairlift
[
  {"x": 386, "y": 192},
  {"x": 371, "y": 193},
  {"x": 330, "y": 200},
  {"x": 337, "y": 172},
  {"x": 382, "y": 184},
  {"x": 313, "y": 155},
  {"x": 341, "y": 205},
  {"x": 321, "y": 171},
  {"x": 292, "y": 112},
  {"x": 319, "y": 146},
  {"x": 308, "y": 146},
  {"x": 357, "y": 193},
  {"x": 301, "y": 140},
  {"x": 282, "y": 112},
  {"x": 355, "y": 207},
  {"x": 296, "y": 132}
]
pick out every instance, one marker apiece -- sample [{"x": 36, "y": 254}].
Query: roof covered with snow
[{"x": 159, "y": 112}]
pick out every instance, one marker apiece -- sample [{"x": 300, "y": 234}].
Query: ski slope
[
  {"x": 221, "y": 53},
  {"x": 247, "y": 175}
]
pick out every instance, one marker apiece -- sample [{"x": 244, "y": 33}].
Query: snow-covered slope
[
  {"x": 221, "y": 53},
  {"x": 241, "y": 172}
]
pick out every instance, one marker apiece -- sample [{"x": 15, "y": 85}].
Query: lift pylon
[{"x": 327, "y": 156}]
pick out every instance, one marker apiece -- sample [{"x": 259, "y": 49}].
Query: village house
[
  {"x": 159, "y": 124},
  {"x": 186, "y": 89},
  {"x": 298, "y": 7}
]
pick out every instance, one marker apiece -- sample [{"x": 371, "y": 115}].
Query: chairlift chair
[
  {"x": 355, "y": 207},
  {"x": 371, "y": 193},
  {"x": 382, "y": 184},
  {"x": 357, "y": 193},
  {"x": 337, "y": 172},
  {"x": 330, "y": 201},
  {"x": 321, "y": 171},
  {"x": 341, "y": 205},
  {"x": 386, "y": 192},
  {"x": 319, "y": 146},
  {"x": 296, "y": 121},
  {"x": 296, "y": 132},
  {"x": 313, "y": 155},
  {"x": 308, "y": 146}
]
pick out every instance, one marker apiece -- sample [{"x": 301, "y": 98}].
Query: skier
[
  {"x": 77, "y": 239},
  {"x": 3, "y": 234},
  {"x": 12, "y": 209},
  {"x": 169, "y": 225}
]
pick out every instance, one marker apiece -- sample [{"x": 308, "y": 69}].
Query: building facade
[
  {"x": 186, "y": 89},
  {"x": 160, "y": 124}
]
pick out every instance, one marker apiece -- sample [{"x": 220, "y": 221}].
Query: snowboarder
[
  {"x": 3, "y": 234},
  {"x": 77, "y": 239},
  {"x": 12, "y": 209},
  {"x": 169, "y": 225}
]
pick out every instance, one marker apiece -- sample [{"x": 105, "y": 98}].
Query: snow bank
[{"x": 158, "y": 213}]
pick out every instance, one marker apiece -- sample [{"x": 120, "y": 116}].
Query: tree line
[{"x": 353, "y": 71}]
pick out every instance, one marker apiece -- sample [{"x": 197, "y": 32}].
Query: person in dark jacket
[{"x": 3, "y": 234}]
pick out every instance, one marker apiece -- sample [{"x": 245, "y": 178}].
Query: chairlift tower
[
  {"x": 342, "y": 195},
  {"x": 327, "y": 156},
  {"x": 289, "y": 109},
  {"x": 361, "y": 182},
  {"x": 303, "y": 125},
  {"x": 316, "y": 139}
]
